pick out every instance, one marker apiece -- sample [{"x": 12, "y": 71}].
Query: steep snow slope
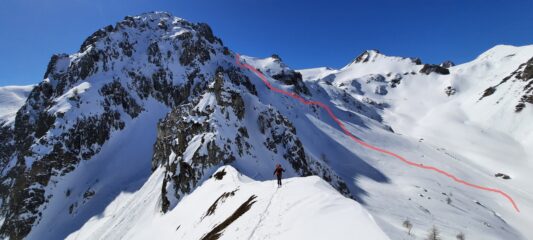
[
  {"x": 121, "y": 167},
  {"x": 487, "y": 132},
  {"x": 11, "y": 99},
  {"x": 304, "y": 208},
  {"x": 474, "y": 138},
  {"x": 494, "y": 113}
]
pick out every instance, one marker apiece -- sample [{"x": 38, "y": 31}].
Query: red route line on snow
[{"x": 364, "y": 144}]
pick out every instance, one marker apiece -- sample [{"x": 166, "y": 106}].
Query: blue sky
[{"x": 304, "y": 33}]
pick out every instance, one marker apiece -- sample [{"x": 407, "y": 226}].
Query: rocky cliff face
[
  {"x": 220, "y": 127},
  {"x": 87, "y": 96}
]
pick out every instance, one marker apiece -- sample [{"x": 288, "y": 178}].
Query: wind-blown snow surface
[
  {"x": 11, "y": 99},
  {"x": 304, "y": 208}
]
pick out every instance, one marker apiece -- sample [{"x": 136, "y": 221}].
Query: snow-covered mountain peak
[
  {"x": 502, "y": 52},
  {"x": 272, "y": 65},
  {"x": 372, "y": 61},
  {"x": 501, "y": 59},
  {"x": 126, "y": 75},
  {"x": 154, "y": 25},
  {"x": 368, "y": 56},
  {"x": 158, "y": 15},
  {"x": 162, "y": 40}
]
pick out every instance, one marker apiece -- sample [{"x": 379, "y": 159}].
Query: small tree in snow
[
  {"x": 408, "y": 225},
  {"x": 460, "y": 236},
  {"x": 433, "y": 234}
]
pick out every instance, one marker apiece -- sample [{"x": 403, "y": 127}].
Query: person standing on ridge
[{"x": 278, "y": 171}]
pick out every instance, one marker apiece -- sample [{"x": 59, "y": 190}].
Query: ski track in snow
[
  {"x": 364, "y": 144},
  {"x": 263, "y": 214}
]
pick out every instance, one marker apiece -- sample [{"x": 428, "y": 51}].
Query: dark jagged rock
[
  {"x": 519, "y": 107},
  {"x": 431, "y": 68},
  {"x": 99, "y": 34},
  {"x": 51, "y": 69},
  {"x": 194, "y": 50},
  {"x": 416, "y": 61},
  {"x": 222, "y": 198},
  {"x": 522, "y": 102},
  {"x": 154, "y": 54},
  {"x": 87, "y": 65},
  {"x": 447, "y": 64},
  {"x": 528, "y": 71},
  {"x": 117, "y": 95},
  {"x": 396, "y": 80},
  {"x": 216, "y": 232},
  {"x": 294, "y": 78},
  {"x": 276, "y": 57},
  {"x": 489, "y": 91},
  {"x": 234, "y": 99},
  {"x": 220, "y": 174},
  {"x": 502, "y": 175},
  {"x": 182, "y": 177},
  {"x": 381, "y": 90},
  {"x": 205, "y": 31},
  {"x": 238, "y": 79},
  {"x": 180, "y": 127},
  {"x": 524, "y": 72},
  {"x": 127, "y": 48},
  {"x": 366, "y": 56},
  {"x": 375, "y": 78},
  {"x": 449, "y": 91}
]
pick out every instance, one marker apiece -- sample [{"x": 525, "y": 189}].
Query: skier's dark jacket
[{"x": 278, "y": 171}]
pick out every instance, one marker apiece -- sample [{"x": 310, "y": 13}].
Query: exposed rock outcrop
[
  {"x": 366, "y": 56},
  {"x": 447, "y": 64},
  {"x": 431, "y": 68}
]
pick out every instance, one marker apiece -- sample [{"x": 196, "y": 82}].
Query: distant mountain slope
[
  {"x": 457, "y": 113},
  {"x": 11, "y": 99}
]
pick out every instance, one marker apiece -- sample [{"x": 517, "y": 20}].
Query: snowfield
[
  {"x": 476, "y": 138},
  {"x": 304, "y": 208}
]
